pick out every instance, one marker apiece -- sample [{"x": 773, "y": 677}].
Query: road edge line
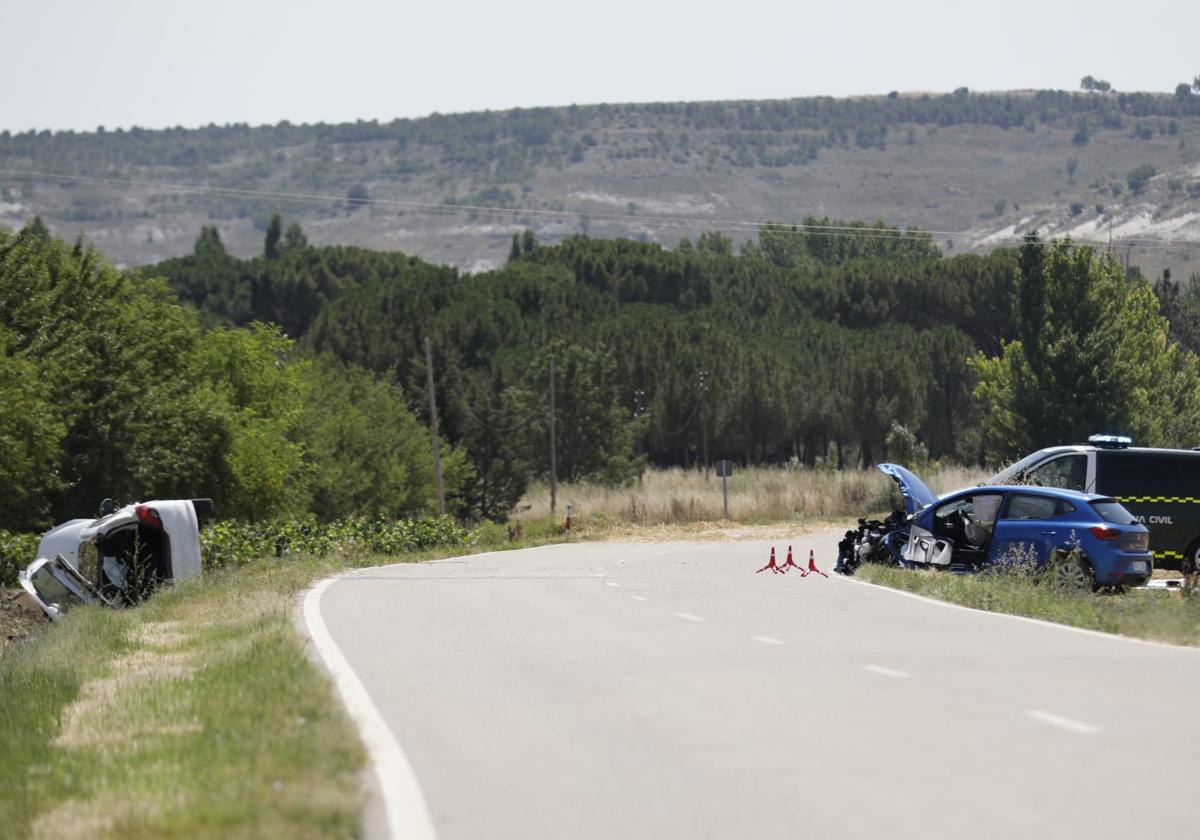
[
  {"x": 407, "y": 812},
  {"x": 1025, "y": 618}
]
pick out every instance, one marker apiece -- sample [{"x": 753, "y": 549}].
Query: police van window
[
  {"x": 1130, "y": 473},
  {"x": 1068, "y": 472}
]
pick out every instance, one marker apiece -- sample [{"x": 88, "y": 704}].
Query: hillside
[{"x": 974, "y": 168}]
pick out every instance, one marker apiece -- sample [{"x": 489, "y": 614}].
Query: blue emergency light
[{"x": 1111, "y": 441}]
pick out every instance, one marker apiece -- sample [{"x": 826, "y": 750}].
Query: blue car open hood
[{"x": 916, "y": 494}]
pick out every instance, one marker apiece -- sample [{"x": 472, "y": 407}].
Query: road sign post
[{"x": 724, "y": 470}]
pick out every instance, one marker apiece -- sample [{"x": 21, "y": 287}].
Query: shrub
[
  {"x": 236, "y": 543},
  {"x": 903, "y": 446},
  {"x": 16, "y": 552},
  {"x": 1139, "y": 177}
]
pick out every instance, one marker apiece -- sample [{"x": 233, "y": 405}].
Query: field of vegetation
[
  {"x": 295, "y": 384},
  {"x": 757, "y": 495},
  {"x": 979, "y": 164}
]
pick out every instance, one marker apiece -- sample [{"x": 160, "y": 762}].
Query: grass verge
[
  {"x": 1154, "y": 615},
  {"x": 194, "y": 714},
  {"x": 197, "y": 713}
]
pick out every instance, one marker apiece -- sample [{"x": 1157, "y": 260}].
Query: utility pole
[
  {"x": 553, "y": 452},
  {"x": 437, "y": 446},
  {"x": 703, "y": 425}
]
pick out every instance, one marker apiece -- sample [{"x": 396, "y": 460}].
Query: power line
[
  {"x": 660, "y": 221},
  {"x": 466, "y": 405}
]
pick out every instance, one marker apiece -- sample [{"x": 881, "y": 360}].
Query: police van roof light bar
[{"x": 1111, "y": 441}]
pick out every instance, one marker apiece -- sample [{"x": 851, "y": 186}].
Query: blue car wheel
[{"x": 1071, "y": 570}]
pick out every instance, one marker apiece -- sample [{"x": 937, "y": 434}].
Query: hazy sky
[{"x": 83, "y": 63}]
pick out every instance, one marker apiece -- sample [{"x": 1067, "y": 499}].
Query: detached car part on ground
[
  {"x": 1084, "y": 540},
  {"x": 118, "y": 559}
]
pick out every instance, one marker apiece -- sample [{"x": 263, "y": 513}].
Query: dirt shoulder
[{"x": 16, "y": 622}]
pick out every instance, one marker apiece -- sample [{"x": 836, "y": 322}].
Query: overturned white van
[{"x": 118, "y": 559}]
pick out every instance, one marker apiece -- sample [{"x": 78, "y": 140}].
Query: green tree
[
  {"x": 255, "y": 384},
  {"x": 357, "y": 196},
  {"x": 1072, "y": 165},
  {"x": 31, "y": 432},
  {"x": 1139, "y": 177},
  {"x": 294, "y": 239},
  {"x": 1093, "y": 355},
  {"x": 1082, "y": 134},
  {"x": 494, "y": 431},
  {"x": 367, "y": 455},
  {"x": 595, "y": 432},
  {"x": 271, "y": 240},
  {"x": 112, "y": 354}
]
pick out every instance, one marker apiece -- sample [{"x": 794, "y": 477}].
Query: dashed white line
[
  {"x": 767, "y": 640},
  {"x": 689, "y": 616},
  {"x": 660, "y": 554},
  {"x": 1077, "y": 726},
  {"x": 612, "y": 583},
  {"x": 639, "y": 597},
  {"x": 887, "y": 672}
]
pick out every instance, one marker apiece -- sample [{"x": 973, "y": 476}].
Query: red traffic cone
[
  {"x": 791, "y": 564},
  {"x": 770, "y": 565},
  {"x": 812, "y": 564}
]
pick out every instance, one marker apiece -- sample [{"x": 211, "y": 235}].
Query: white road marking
[
  {"x": 660, "y": 553},
  {"x": 689, "y": 617},
  {"x": 1010, "y": 617},
  {"x": 639, "y": 597},
  {"x": 613, "y": 584},
  {"x": 767, "y": 640},
  {"x": 887, "y": 672},
  {"x": 1076, "y": 726},
  {"x": 407, "y": 812}
]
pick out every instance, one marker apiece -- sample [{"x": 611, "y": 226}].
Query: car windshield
[
  {"x": 1112, "y": 511},
  {"x": 1012, "y": 475},
  {"x": 50, "y": 589}
]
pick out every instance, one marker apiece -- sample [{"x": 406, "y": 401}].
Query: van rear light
[
  {"x": 149, "y": 516},
  {"x": 1101, "y": 532}
]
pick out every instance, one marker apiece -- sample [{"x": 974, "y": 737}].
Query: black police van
[{"x": 1161, "y": 487}]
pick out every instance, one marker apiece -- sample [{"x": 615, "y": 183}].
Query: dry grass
[{"x": 756, "y": 495}]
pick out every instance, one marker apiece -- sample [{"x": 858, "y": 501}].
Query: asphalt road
[{"x": 666, "y": 690}]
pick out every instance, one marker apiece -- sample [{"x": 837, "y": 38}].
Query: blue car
[{"x": 986, "y": 526}]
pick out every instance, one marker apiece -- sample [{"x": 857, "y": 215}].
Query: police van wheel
[{"x": 1191, "y": 560}]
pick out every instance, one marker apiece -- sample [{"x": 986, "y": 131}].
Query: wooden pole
[
  {"x": 553, "y": 452},
  {"x": 437, "y": 446}
]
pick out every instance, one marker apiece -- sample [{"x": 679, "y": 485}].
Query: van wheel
[
  {"x": 1191, "y": 560},
  {"x": 1070, "y": 570}
]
